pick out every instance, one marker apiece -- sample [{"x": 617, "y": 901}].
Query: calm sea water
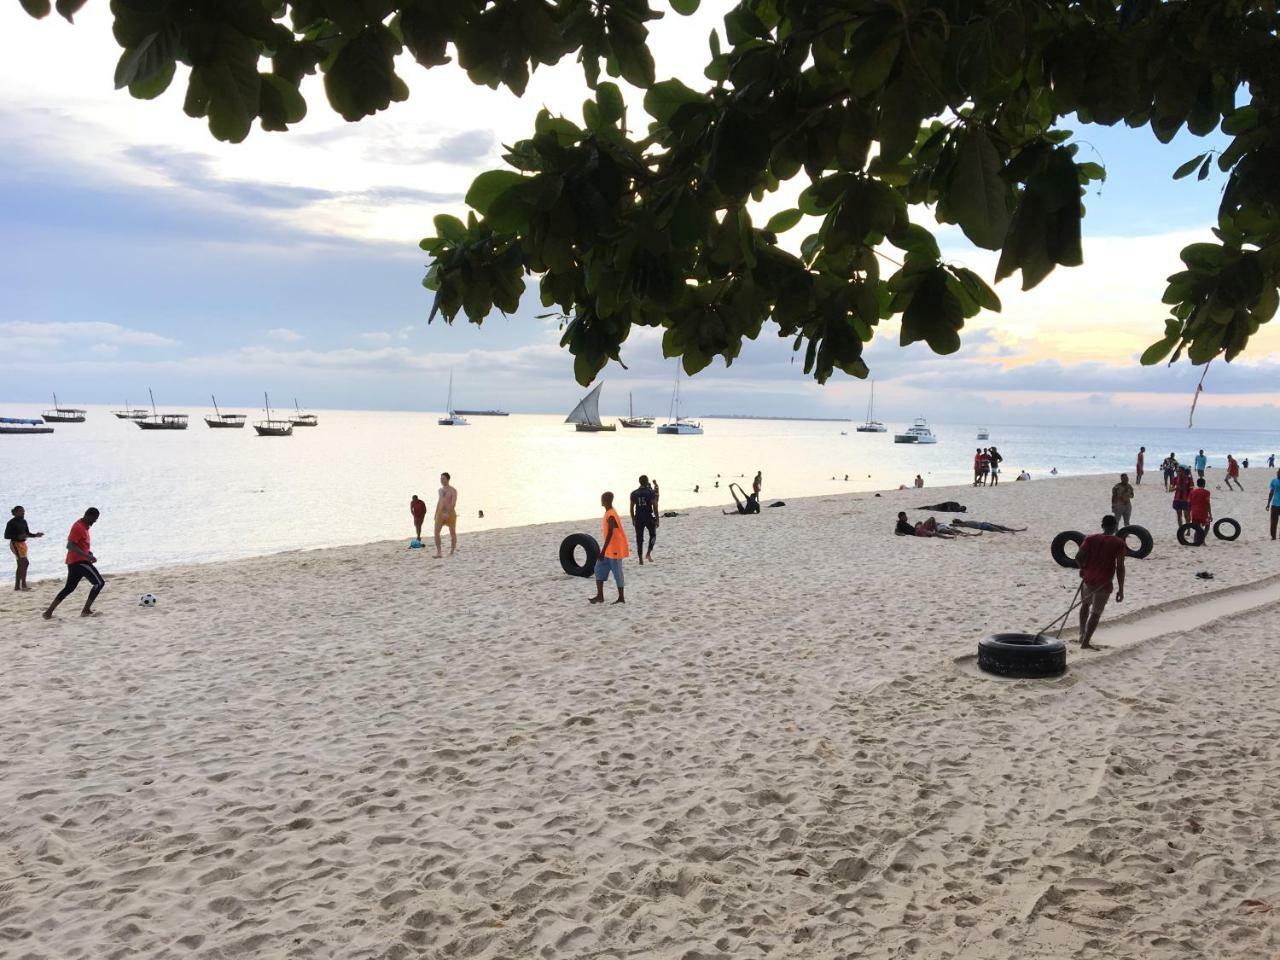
[{"x": 202, "y": 494}]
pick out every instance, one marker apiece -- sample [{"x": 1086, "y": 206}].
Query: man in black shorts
[
  {"x": 644, "y": 516},
  {"x": 80, "y": 565}
]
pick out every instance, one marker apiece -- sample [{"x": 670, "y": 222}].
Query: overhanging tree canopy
[{"x": 882, "y": 106}]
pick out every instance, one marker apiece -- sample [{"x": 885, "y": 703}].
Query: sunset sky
[{"x": 141, "y": 252}]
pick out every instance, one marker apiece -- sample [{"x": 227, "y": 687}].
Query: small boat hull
[
  {"x": 19, "y": 430},
  {"x": 595, "y": 427},
  {"x": 227, "y": 422},
  {"x": 454, "y": 421},
  {"x": 305, "y": 421},
  {"x": 872, "y": 428},
  {"x": 680, "y": 430},
  {"x": 63, "y": 417},
  {"x": 637, "y": 423},
  {"x": 274, "y": 430}
]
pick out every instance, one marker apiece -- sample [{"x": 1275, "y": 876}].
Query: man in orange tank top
[{"x": 613, "y": 550}]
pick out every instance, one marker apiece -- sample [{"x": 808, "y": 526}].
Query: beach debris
[
  {"x": 802, "y": 872},
  {"x": 1193, "y": 825},
  {"x": 782, "y": 503},
  {"x": 672, "y": 513},
  {"x": 1204, "y": 575},
  {"x": 1255, "y": 906}
]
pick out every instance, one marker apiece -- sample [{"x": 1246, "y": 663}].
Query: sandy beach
[{"x": 770, "y": 751}]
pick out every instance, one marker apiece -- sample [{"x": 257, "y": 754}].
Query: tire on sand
[
  {"x": 1145, "y": 541},
  {"x": 1058, "y": 549},
  {"x": 1022, "y": 655},
  {"x": 569, "y": 550},
  {"x": 1227, "y": 522},
  {"x": 1189, "y": 535}
]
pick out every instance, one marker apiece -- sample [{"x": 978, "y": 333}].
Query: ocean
[{"x": 203, "y": 494}]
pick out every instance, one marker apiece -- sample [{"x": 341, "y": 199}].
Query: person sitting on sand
[
  {"x": 613, "y": 551},
  {"x": 1199, "y": 508},
  {"x": 985, "y": 525},
  {"x": 1101, "y": 558},
  {"x": 447, "y": 514},
  {"x": 1024, "y": 475},
  {"x": 80, "y": 565},
  {"x": 417, "y": 510},
  {"x": 17, "y": 533}
]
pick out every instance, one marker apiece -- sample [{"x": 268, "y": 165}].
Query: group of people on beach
[
  {"x": 986, "y": 467},
  {"x": 81, "y": 562},
  {"x": 614, "y": 546},
  {"x": 446, "y": 515}
]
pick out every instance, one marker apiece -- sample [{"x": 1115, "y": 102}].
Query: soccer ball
[{"x": 148, "y": 600}]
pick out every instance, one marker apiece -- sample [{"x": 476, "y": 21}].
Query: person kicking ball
[
  {"x": 80, "y": 565},
  {"x": 1101, "y": 558}
]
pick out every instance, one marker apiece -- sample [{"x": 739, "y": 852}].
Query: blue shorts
[
  {"x": 1177, "y": 505},
  {"x": 606, "y": 564}
]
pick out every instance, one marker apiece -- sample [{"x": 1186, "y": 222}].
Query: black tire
[
  {"x": 1145, "y": 541},
  {"x": 1189, "y": 535},
  {"x": 1226, "y": 521},
  {"x": 568, "y": 554},
  {"x": 1058, "y": 549},
  {"x": 1022, "y": 655}
]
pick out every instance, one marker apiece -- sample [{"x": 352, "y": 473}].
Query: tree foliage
[{"x": 885, "y": 108}]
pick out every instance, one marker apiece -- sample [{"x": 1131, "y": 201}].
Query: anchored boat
[
  {"x": 233, "y": 421},
  {"x": 632, "y": 421},
  {"x": 678, "y": 426},
  {"x": 872, "y": 425},
  {"x": 272, "y": 427},
  {"x": 161, "y": 421},
  {"x": 63, "y": 414},
  {"x": 453, "y": 418},
  {"x": 15, "y": 425},
  {"x": 300, "y": 419},
  {"x": 918, "y": 432}
]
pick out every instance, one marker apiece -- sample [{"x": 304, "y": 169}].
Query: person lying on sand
[
  {"x": 927, "y": 528},
  {"x": 985, "y": 525}
]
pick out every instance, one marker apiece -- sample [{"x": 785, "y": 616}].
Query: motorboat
[
  {"x": 61, "y": 414},
  {"x": 676, "y": 425},
  {"x": 453, "y": 418},
  {"x": 586, "y": 415},
  {"x": 872, "y": 425},
  {"x": 161, "y": 421},
  {"x": 13, "y": 425},
  {"x": 918, "y": 432},
  {"x": 631, "y": 421},
  {"x": 300, "y": 419},
  {"x": 272, "y": 426},
  {"x": 234, "y": 421}
]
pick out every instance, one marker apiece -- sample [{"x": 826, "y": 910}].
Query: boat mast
[
  {"x": 153, "y": 402},
  {"x": 266, "y": 404},
  {"x": 215, "y": 406},
  {"x": 449, "y": 405}
]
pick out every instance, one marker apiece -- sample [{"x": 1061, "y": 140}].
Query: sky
[{"x": 140, "y": 252}]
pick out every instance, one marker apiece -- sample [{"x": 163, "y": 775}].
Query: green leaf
[
  {"x": 1159, "y": 350},
  {"x": 783, "y": 221},
  {"x": 361, "y": 79},
  {"x": 154, "y": 85},
  {"x": 1185, "y": 169},
  {"x": 978, "y": 197},
  {"x": 450, "y": 228},
  {"x": 490, "y": 185},
  {"x": 1241, "y": 120},
  {"x": 37, "y": 8},
  {"x": 609, "y": 99},
  {"x": 685, "y": 8},
  {"x": 662, "y": 100}
]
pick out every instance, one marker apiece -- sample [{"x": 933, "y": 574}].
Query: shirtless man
[
  {"x": 17, "y": 533},
  {"x": 1142, "y": 462},
  {"x": 447, "y": 515}
]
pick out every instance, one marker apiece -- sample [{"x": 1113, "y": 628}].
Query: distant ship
[
  {"x": 482, "y": 413},
  {"x": 872, "y": 425}
]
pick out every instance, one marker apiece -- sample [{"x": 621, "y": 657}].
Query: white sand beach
[{"x": 769, "y": 751}]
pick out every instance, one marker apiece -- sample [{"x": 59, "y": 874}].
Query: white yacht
[
  {"x": 452, "y": 418},
  {"x": 676, "y": 425},
  {"x": 872, "y": 426},
  {"x": 918, "y": 432}
]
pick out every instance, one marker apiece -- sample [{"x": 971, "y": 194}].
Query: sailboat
[
  {"x": 161, "y": 421},
  {"x": 130, "y": 413},
  {"x": 679, "y": 426},
  {"x": 219, "y": 419},
  {"x": 586, "y": 415},
  {"x": 63, "y": 414},
  {"x": 300, "y": 419},
  {"x": 272, "y": 427},
  {"x": 872, "y": 426},
  {"x": 632, "y": 421},
  {"x": 452, "y": 418}
]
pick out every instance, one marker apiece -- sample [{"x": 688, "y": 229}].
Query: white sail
[{"x": 588, "y": 409}]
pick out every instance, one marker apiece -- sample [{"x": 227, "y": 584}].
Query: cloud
[
  {"x": 464, "y": 148},
  {"x": 197, "y": 172},
  {"x": 284, "y": 334},
  {"x": 54, "y": 334}
]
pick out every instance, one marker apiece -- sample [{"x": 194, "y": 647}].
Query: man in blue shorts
[
  {"x": 1201, "y": 462},
  {"x": 1273, "y": 502}
]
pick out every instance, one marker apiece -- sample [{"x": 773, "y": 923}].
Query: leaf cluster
[{"x": 885, "y": 108}]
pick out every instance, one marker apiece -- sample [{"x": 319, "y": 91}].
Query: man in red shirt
[
  {"x": 1233, "y": 472},
  {"x": 1201, "y": 511},
  {"x": 1182, "y": 488},
  {"x": 1101, "y": 558},
  {"x": 80, "y": 565}
]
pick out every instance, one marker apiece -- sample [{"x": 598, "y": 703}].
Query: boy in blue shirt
[{"x": 1273, "y": 502}]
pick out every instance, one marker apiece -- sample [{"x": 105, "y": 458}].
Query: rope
[{"x": 1062, "y": 620}]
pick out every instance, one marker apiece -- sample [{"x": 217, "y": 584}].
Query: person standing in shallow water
[
  {"x": 1142, "y": 462},
  {"x": 17, "y": 533},
  {"x": 613, "y": 550},
  {"x": 81, "y": 565}
]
